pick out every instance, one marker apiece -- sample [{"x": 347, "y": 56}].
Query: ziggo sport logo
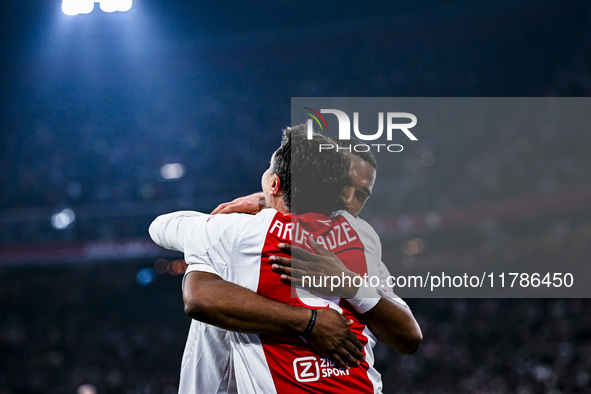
[
  {"x": 345, "y": 129},
  {"x": 307, "y": 369}
]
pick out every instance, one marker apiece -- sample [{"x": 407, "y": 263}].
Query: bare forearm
[
  {"x": 212, "y": 300},
  {"x": 395, "y": 325},
  {"x": 253, "y": 204}
]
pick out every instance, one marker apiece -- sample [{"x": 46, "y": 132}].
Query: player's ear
[{"x": 275, "y": 184}]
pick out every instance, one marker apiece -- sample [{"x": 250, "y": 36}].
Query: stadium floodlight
[
  {"x": 70, "y": 8},
  {"x": 172, "y": 171},
  {"x": 124, "y": 5},
  {"x": 62, "y": 220},
  {"x": 108, "y": 5},
  {"x": 115, "y": 5},
  {"x": 85, "y": 6},
  {"x": 75, "y": 7}
]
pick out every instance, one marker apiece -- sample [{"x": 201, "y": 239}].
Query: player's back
[{"x": 266, "y": 363}]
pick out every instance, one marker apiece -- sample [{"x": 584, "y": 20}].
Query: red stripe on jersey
[{"x": 294, "y": 366}]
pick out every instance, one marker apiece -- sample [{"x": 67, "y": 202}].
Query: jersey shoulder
[
  {"x": 360, "y": 225},
  {"x": 236, "y": 221}
]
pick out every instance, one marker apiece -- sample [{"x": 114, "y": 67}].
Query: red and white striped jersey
[{"x": 237, "y": 247}]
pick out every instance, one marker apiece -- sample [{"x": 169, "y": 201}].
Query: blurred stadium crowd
[{"x": 116, "y": 187}]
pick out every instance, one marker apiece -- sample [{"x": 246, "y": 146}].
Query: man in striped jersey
[
  {"x": 358, "y": 189},
  {"x": 233, "y": 248}
]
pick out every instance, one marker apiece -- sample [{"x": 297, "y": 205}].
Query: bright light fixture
[
  {"x": 172, "y": 171},
  {"x": 63, "y": 219},
  {"x": 108, "y": 5},
  {"x": 124, "y": 5},
  {"x": 75, "y": 7},
  {"x": 85, "y": 6}
]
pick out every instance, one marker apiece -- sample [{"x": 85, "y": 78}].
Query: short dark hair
[
  {"x": 311, "y": 180},
  {"x": 366, "y": 156}
]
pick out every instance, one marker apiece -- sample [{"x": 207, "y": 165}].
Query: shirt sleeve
[
  {"x": 206, "y": 240},
  {"x": 169, "y": 230},
  {"x": 209, "y": 243},
  {"x": 372, "y": 240},
  {"x": 384, "y": 289}
]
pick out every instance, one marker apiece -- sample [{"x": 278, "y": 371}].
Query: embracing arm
[
  {"x": 252, "y": 204},
  {"x": 395, "y": 325},
  {"x": 391, "y": 321},
  {"x": 210, "y": 299}
]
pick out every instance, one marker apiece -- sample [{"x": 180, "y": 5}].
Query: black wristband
[{"x": 311, "y": 324}]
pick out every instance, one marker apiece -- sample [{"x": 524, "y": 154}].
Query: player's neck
[
  {"x": 282, "y": 209},
  {"x": 278, "y": 204}
]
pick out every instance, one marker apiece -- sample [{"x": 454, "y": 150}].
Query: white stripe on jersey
[
  {"x": 253, "y": 374},
  {"x": 372, "y": 373},
  {"x": 207, "y": 365}
]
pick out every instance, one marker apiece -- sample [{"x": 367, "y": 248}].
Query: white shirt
[{"x": 207, "y": 365}]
